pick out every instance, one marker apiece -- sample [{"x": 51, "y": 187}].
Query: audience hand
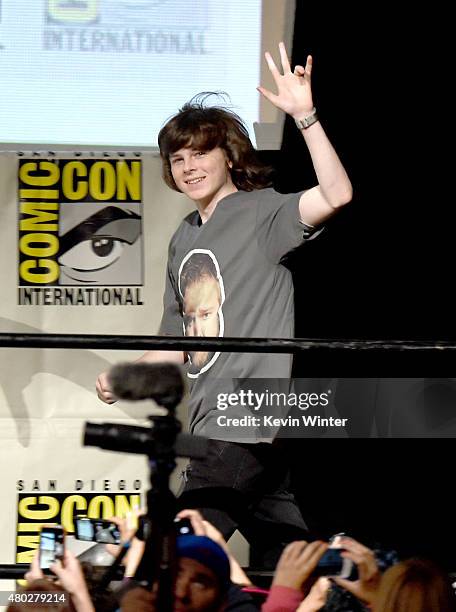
[
  {"x": 35, "y": 572},
  {"x": 365, "y": 588},
  {"x": 298, "y": 561},
  {"x": 316, "y": 598},
  {"x": 203, "y": 527}
]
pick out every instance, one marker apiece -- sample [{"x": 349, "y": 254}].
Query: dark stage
[{"x": 383, "y": 268}]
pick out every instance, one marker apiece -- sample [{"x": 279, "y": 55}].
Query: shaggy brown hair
[
  {"x": 204, "y": 128},
  {"x": 415, "y": 585}
]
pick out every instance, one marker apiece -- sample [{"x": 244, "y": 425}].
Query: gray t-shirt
[{"x": 225, "y": 278}]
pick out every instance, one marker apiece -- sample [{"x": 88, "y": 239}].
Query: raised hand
[
  {"x": 70, "y": 575},
  {"x": 294, "y": 95},
  {"x": 204, "y": 528},
  {"x": 366, "y": 587},
  {"x": 201, "y": 527},
  {"x": 298, "y": 561}
]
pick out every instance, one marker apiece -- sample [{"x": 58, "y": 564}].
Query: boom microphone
[{"x": 162, "y": 382}]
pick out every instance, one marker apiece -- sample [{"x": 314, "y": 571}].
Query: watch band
[{"x": 305, "y": 123}]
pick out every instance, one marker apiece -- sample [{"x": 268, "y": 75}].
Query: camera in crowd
[
  {"x": 96, "y": 530},
  {"x": 52, "y": 545},
  {"x": 332, "y": 564}
]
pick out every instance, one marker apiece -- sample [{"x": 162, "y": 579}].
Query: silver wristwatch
[{"x": 303, "y": 124}]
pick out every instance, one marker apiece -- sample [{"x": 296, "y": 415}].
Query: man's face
[
  {"x": 197, "y": 588},
  {"x": 202, "y": 175},
  {"x": 201, "y": 305}
]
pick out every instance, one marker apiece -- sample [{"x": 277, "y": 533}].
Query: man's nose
[
  {"x": 198, "y": 327},
  {"x": 181, "y": 590},
  {"x": 189, "y": 165}
]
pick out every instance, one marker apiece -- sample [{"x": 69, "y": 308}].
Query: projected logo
[
  {"x": 122, "y": 13},
  {"x": 72, "y": 11},
  {"x": 126, "y": 26},
  {"x": 80, "y": 223}
]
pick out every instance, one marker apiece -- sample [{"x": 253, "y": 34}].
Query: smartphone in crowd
[
  {"x": 332, "y": 564},
  {"x": 96, "y": 530},
  {"x": 183, "y": 526},
  {"x": 52, "y": 545}
]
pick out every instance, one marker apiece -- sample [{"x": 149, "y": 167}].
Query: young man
[{"x": 245, "y": 230}]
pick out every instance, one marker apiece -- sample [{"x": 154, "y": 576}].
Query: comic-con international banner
[
  {"x": 36, "y": 509},
  {"x": 80, "y": 232},
  {"x": 84, "y": 246}
]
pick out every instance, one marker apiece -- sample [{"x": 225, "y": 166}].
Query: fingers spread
[
  {"x": 354, "y": 546},
  {"x": 271, "y": 63},
  {"x": 313, "y": 553},
  {"x": 309, "y": 62},
  {"x": 284, "y": 58},
  {"x": 294, "y": 550},
  {"x": 267, "y": 94}
]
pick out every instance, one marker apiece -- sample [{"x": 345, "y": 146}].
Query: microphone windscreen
[{"x": 162, "y": 382}]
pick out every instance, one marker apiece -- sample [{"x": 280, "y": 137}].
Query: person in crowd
[
  {"x": 235, "y": 598},
  {"x": 203, "y": 582},
  {"x": 415, "y": 585}
]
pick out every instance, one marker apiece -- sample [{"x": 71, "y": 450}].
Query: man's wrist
[{"x": 305, "y": 120}]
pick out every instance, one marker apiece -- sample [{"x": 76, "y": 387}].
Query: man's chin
[{"x": 199, "y": 360}]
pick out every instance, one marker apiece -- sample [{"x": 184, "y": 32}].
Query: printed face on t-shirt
[
  {"x": 202, "y": 292},
  {"x": 202, "y": 299}
]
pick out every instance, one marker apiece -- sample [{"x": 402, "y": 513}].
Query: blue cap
[{"x": 208, "y": 553}]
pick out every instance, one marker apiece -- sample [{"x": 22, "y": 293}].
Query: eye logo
[
  {"x": 90, "y": 251},
  {"x": 80, "y": 223}
]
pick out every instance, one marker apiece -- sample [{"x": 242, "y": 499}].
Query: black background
[{"x": 384, "y": 266}]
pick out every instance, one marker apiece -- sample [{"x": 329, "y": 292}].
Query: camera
[
  {"x": 183, "y": 526},
  {"x": 96, "y": 530},
  {"x": 333, "y": 564},
  {"x": 52, "y": 545}
]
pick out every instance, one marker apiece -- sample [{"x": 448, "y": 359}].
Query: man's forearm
[
  {"x": 332, "y": 178},
  {"x": 178, "y": 357}
]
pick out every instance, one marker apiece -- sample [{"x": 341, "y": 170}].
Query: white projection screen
[{"x": 110, "y": 72}]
